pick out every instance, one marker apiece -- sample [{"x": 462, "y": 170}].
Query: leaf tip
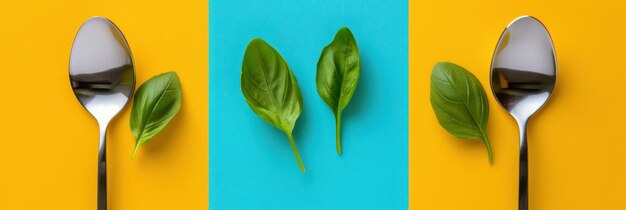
[
  {"x": 172, "y": 73},
  {"x": 441, "y": 65},
  {"x": 132, "y": 156},
  {"x": 489, "y": 152},
  {"x": 344, "y": 32},
  {"x": 339, "y": 152},
  {"x": 256, "y": 41}
]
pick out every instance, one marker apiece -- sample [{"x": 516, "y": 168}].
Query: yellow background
[
  {"x": 49, "y": 143},
  {"x": 577, "y": 142}
]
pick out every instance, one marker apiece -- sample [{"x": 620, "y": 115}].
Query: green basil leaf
[
  {"x": 156, "y": 102},
  {"x": 338, "y": 71},
  {"x": 460, "y": 102},
  {"x": 271, "y": 90}
]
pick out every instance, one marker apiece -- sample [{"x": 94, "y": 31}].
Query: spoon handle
[
  {"x": 523, "y": 168},
  {"x": 102, "y": 170}
]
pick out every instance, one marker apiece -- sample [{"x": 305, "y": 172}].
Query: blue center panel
[{"x": 251, "y": 165}]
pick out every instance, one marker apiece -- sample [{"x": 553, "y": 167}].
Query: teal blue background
[{"x": 251, "y": 165}]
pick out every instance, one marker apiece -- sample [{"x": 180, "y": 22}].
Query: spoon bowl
[
  {"x": 523, "y": 76},
  {"x": 102, "y": 76},
  {"x": 523, "y": 72}
]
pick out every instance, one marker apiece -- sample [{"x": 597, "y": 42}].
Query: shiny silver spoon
[
  {"x": 103, "y": 79},
  {"x": 523, "y": 75}
]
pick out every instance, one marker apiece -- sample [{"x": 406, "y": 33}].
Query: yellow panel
[
  {"x": 577, "y": 142},
  {"x": 49, "y": 143}
]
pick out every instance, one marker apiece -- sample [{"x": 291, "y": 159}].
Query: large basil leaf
[
  {"x": 156, "y": 102},
  {"x": 459, "y": 102},
  {"x": 270, "y": 89},
  {"x": 338, "y": 71}
]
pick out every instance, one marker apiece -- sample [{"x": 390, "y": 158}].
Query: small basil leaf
[
  {"x": 338, "y": 71},
  {"x": 156, "y": 102},
  {"x": 460, "y": 102},
  {"x": 271, "y": 90}
]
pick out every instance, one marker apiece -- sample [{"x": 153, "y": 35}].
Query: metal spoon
[
  {"x": 523, "y": 75},
  {"x": 103, "y": 79}
]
